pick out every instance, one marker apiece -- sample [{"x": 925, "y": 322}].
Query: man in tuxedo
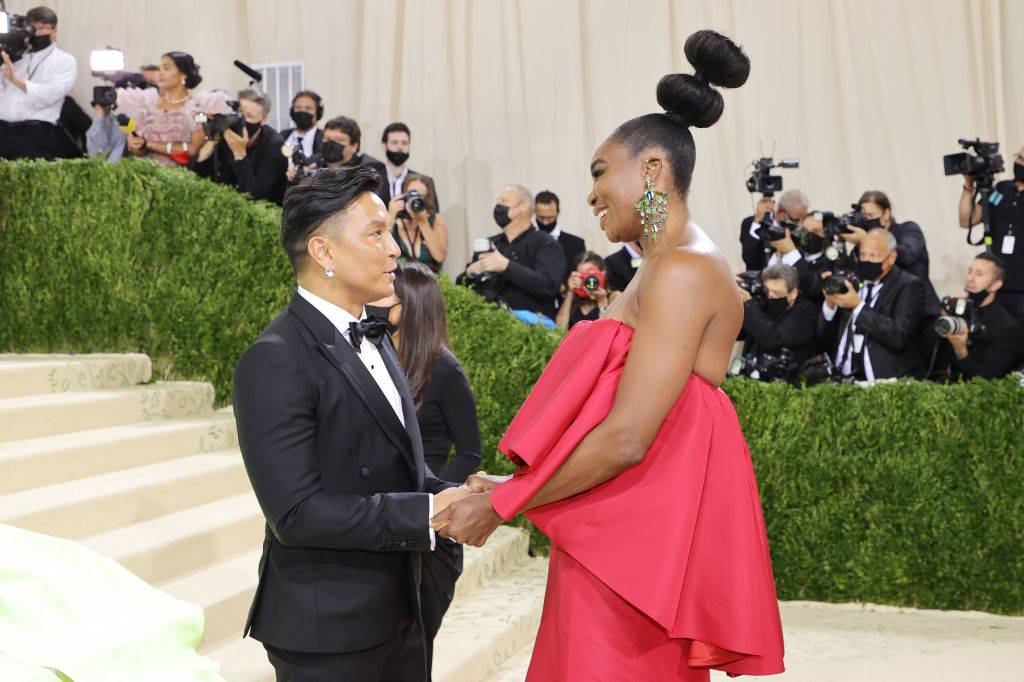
[
  {"x": 341, "y": 147},
  {"x": 397, "y": 141},
  {"x": 307, "y": 110},
  {"x": 871, "y": 332},
  {"x": 330, "y": 441},
  {"x": 622, "y": 266},
  {"x": 546, "y": 211}
]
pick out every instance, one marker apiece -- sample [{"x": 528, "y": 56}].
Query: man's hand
[
  {"x": 849, "y": 299},
  {"x": 959, "y": 343},
  {"x": 744, "y": 294},
  {"x": 7, "y": 70},
  {"x": 813, "y": 225},
  {"x": 492, "y": 261},
  {"x": 468, "y": 521},
  {"x": 764, "y": 205},
  {"x": 855, "y": 234},
  {"x": 446, "y": 497},
  {"x": 237, "y": 143},
  {"x": 785, "y": 245}
]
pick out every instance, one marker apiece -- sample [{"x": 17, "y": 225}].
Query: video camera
[
  {"x": 214, "y": 126},
  {"x": 961, "y": 315},
  {"x": 983, "y": 165},
  {"x": 15, "y": 33},
  {"x": 762, "y": 181}
]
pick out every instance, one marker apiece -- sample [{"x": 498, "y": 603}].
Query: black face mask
[
  {"x": 1018, "y": 172},
  {"x": 977, "y": 297},
  {"x": 38, "y": 43},
  {"x": 774, "y": 307},
  {"x": 501, "y": 216},
  {"x": 548, "y": 227},
  {"x": 812, "y": 243},
  {"x": 303, "y": 119},
  {"x": 871, "y": 224},
  {"x": 397, "y": 158},
  {"x": 868, "y": 271},
  {"x": 332, "y": 151},
  {"x": 253, "y": 128}
]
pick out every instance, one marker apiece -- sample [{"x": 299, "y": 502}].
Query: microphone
[{"x": 249, "y": 71}]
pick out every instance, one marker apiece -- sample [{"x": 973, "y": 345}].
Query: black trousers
[
  {"x": 441, "y": 569},
  {"x": 27, "y": 140},
  {"x": 400, "y": 659}
]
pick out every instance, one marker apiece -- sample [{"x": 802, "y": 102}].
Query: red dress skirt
[{"x": 663, "y": 572}]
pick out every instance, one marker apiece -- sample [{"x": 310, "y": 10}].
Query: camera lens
[{"x": 591, "y": 283}]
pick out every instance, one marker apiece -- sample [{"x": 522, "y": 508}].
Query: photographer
[
  {"x": 587, "y": 292},
  {"x": 306, "y": 111},
  {"x": 525, "y": 266},
  {"x": 249, "y": 158},
  {"x": 813, "y": 263},
  {"x": 397, "y": 140},
  {"x": 781, "y": 321},
  {"x": 871, "y": 331},
  {"x": 420, "y": 231},
  {"x": 1006, "y": 216},
  {"x": 987, "y": 342},
  {"x": 911, "y": 250},
  {"x": 342, "y": 138},
  {"x": 758, "y": 252},
  {"x": 32, "y": 91}
]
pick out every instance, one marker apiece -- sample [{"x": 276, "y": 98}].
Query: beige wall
[{"x": 867, "y": 94}]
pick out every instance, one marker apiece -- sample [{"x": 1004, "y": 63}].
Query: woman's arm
[
  {"x": 435, "y": 237},
  {"x": 564, "y": 310}
]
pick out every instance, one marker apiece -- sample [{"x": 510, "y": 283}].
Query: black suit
[
  {"x": 793, "y": 329},
  {"x": 889, "y": 327},
  {"x": 382, "y": 186},
  {"x": 756, "y": 252},
  {"x": 620, "y": 270},
  {"x": 990, "y": 354},
  {"x": 573, "y": 247},
  {"x": 342, "y": 485}
]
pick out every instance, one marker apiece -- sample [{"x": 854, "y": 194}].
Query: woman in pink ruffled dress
[{"x": 165, "y": 127}]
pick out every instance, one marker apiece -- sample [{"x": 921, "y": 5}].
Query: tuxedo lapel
[{"x": 412, "y": 426}]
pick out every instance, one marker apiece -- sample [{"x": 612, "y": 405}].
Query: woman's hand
[
  {"x": 395, "y": 206},
  {"x": 136, "y": 144},
  {"x": 575, "y": 281}
]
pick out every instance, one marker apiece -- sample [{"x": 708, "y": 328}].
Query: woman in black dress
[{"x": 446, "y": 412}]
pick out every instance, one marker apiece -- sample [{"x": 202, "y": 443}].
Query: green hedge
[{"x": 908, "y": 494}]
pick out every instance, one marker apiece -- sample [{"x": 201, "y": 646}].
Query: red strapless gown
[{"x": 663, "y": 572}]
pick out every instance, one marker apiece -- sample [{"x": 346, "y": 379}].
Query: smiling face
[{"x": 618, "y": 183}]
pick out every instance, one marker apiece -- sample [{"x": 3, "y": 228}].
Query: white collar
[
  {"x": 393, "y": 173},
  {"x": 338, "y": 316},
  {"x": 632, "y": 250}
]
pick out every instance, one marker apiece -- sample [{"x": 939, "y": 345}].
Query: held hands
[{"x": 467, "y": 516}]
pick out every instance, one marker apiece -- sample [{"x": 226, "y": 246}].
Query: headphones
[{"x": 316, "y": 99}]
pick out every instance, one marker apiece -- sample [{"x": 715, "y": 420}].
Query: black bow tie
[{"x": 372, "y": 329}]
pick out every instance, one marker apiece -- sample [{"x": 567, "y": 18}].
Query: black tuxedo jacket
[
  {"x": 342, "y": 485},
  {"x": 572, "y": 246},
  {"x": 889, "y": 327},
  {"x": 755, "y": 252},
  {"x": 620, "y": 270},
  {"x": 793, "y": 329}
]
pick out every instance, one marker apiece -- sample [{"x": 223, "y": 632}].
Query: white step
[
  {"x": 174, "y": 545},
  {"x": 225, "y": 592},
  {"x": 97, "y": 504},
  {"x": 516, "y": 667},
  {"x": 47, "y": 460},
  {"x": 505, "y": 551},
  {"x": 481, "y": 633},
  {"x": 47, "y": 415},
  {"x": 243, "y": 660},
  {"x": 22, "y": 375}
]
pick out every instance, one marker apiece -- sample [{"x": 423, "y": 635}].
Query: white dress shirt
[
  {"x": 370, "y": 356},
  {"x": 308, "y": 140},
  {"x": 395, "y": 181},
  {"x": 49, "y": 76},
  {"x": 790, "y": 259},
  {"x": 845, "y": 363}
]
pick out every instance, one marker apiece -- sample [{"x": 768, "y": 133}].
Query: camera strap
[{"x": 32, "y": 69}]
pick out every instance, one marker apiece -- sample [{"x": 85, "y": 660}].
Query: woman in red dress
[{"x": 631, "y": 458}]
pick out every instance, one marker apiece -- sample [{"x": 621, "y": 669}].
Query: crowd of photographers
[
  {"x": 847, "y": 297},
  {"x": 842, "y": 297}
]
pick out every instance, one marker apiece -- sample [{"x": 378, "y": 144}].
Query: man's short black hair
[
  {"x": 999, "y": 263},
  {"x": 347, "y": 126},
  {"x": 396, "y": 127},
  {"x": 311, "y": 202},
  {"x": 548, "y": 197},
  {"x": 41, "y": 15}
]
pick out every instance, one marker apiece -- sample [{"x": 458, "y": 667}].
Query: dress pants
[{"x": 27, "y": 140}]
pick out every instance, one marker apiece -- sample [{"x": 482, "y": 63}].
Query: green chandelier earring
[{"x": 653, "y": 210}]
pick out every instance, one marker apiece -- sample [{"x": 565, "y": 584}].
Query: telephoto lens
[{"x": 950, "y": 324}]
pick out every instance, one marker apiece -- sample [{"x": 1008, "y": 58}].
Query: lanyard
[{"x": 31, "y": 70}]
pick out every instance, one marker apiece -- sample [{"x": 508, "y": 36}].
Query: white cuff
[
  {"x": 755, "y": 230},
  {"x": 430, "y": 516},
  {"x": 791, "y": 258}
]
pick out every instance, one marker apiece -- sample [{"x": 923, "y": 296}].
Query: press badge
[
  {"x": 995, "y": 198},
  {"x": 1008, "y": 241}
]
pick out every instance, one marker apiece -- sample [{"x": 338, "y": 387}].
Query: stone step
[
  {"x": 174, "y": 545},
  {"x": 88, "y": 506},
  {"x": 481, "y": 633},
  {"x": 48, "y": 415},
  {"x": 225, "y": 592},
  {"x": 47, "y": 460},
  {"x": 505, "y": 551},
  {"x": 516, "y": 667},
  {"x": 24, "y": 375}
]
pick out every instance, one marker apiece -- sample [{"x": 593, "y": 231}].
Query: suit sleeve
[
  {"x": 792, "y": 331},
  {"x": 910, "y": 246},
  {"x": 827, "y": 331},
  {"x": 275, "y": 407},
  {"x": 994, "y": 360},
  {"x": 545, "y": 277},
  {"x": 752, "y": 249},
  {"x": 895, "y": 328}
]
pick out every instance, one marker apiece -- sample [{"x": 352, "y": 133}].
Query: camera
[
  {"x": 750, "y": 281},
  {"x": 15, "y": 33},
  {"x": 962, "y": 315},
  {"x": 834, "y": 225},
  {"x": 415, "y": 201},
  {"x": 819, "y": 370},
  {"x": 836, "y": 282},
  {"x": 104, "y": 96},
  {"x": 765, "y": 366},
  {"x": 214, "y": 126},
  {"x": 983, "y": 165},
  {"x": 593, "y": 279},
  {"x": 774, "y": 231},
  {"x": 762, "y": 181}
]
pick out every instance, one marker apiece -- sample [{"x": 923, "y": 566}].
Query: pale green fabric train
[{"x": 68, "y": 613}]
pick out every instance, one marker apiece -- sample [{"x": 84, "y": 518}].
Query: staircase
[{"x": 150, "y": 474}]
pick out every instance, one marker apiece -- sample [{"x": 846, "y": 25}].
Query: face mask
[
  {"x": 871, "y": 224},
  {"x": 38, "y": 43},
  {"x": 868, "y": 271},
  {"x": 811, "y": 242},
  {"x": 332, "y": 151},
  {"x": 547, "y": 227},
  {"x": 501, "y": 216},
  {"x": 1018, "y": 172},
  {"x": 977, "y": 297},
  {"x": 397, "y": 158},
  {"x": 303, "y": 119},
  {"x": 774, "y": 307},
  {"x": 253, "y": 128}
]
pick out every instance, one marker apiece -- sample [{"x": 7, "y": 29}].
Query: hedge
[{"x": 909, "y": 494}]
